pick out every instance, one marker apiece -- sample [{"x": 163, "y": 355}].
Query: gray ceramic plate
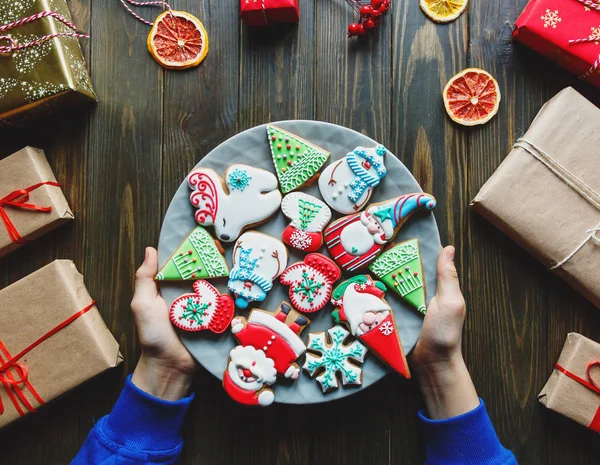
[{"x": 251, "y": 147}]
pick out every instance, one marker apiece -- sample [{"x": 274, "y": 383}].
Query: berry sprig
[{"x": 370, "y": 13}]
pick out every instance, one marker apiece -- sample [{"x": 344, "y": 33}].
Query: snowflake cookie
[
  {"x": 308, "y": 217},
  {"x": 202, "y": 310},
  {"x": 334, "y": 357}
]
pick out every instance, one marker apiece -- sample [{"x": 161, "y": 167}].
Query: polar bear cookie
[
  {"x": 244, "y": 197},
  {"x": 347, "y": 184},
  {"x": 308, "y": 217}
]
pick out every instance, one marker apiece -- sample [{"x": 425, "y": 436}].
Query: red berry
[
  {"x": 354, "y": 29},
  {"x": 384, "y": 8},
  {"x": 376, "y": 4},
  {"x": 369, "y": 24},
  {"x": 366, "y": 10}
]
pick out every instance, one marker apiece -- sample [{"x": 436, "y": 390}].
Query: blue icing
[
  {"x": 238, "y": 179},
  {"x": 363, "y": 178}
]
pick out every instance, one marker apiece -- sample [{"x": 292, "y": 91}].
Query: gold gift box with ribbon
[{"x": 546, "y": 193}]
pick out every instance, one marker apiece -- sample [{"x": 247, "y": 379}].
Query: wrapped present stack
[
  {"x": 267, "y": 12},
  {"x": 39, "y": 75}
]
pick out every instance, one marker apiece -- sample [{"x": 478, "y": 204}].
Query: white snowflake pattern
[
  {"x": 595, "y": 35},
  {"x": 300, "y": 240},
  {"x": 386, "y": 328},
  {"x": 551, "y": 19}
]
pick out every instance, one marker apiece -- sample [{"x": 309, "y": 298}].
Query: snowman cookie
[
  {"x": 347, "y": 184},
  {"x": 311, "y": 282},
  {"x": 308, "y": 216},
  {"x": 202, "y": 310},
  {"x": 244, "y": 197},
  {"x": 258, "y": 259}
]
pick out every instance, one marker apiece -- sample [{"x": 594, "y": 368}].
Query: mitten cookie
[{"x": 308, "y": 216}]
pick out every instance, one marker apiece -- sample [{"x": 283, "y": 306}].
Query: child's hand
[{"x": 165, "y": 368}]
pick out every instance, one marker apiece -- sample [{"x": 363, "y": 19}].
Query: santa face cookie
[
  {"x": 269, "y": 345},
  {"x": 360, "y": 303},
  {"x": 258, "y": 260},
  {"x": 246, "y": 196},
  {"x": 311, "y": 282},
  {"x": 308, "y": 216},
  {"x": 347, "y": 184},
  {"x": 401, "y": 270},
  {"x": 202, "y": 310},
  {"x": 329, "y": 356},
  {"x": 297, "y": 161},
  {"x": 356, "y": 240}
]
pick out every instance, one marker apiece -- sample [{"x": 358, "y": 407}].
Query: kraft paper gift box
[
  {"x": 52, "y": 339},
  {"x": 545, "y": 194},
  {"x": 31, "y": 201},
  {"x": 573, "y": 389}
]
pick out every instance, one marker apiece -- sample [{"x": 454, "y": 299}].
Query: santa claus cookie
[
  {"x": 360, "y": 303},
  {"x": 347, "y": 184},
  {"x": 202, "y": 310},
  {"x": 258, "y": 260},
  {"x": 245, "y": 197},
  {"x": 329, "y": 356},
  {"x": 269, "y": 346},
  {"x": 311, "y": 282},
  {"x": 297, "y": 161},
  {"x": 354, "y": 241},
  {"x": 308, "y": 216}
]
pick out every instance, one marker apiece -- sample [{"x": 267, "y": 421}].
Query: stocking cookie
[
  {"x": 360, "y": 303},
  {"x": 401, "y": 270},
  {"x": 328, "y": 355},
  {"x": 297, "y": 161},
  {"x": 308, "y": 216},
  {"x": 347, "y": 185},
  {"x": 269, "y": 346},
  {"x": 202, "y": 310},
  {"x": 311, "y": 282},
  {"x": 198, "y": 257},
  {"x": 245, "y": 197},
  {"x": 356, "y": 240},
  {"x": 257, "y": 260}
]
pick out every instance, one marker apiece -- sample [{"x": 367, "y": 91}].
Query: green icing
[
  {"x": 298, "y": 163},
  {"x": 308, "y": 211},
  {"x": 400, "y": 268},
  {"x": 196, "y": 258}
]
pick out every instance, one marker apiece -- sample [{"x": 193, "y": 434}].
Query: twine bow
[
  {"x": 19, "y": 199},
  {"x": 589, "y": 383}
]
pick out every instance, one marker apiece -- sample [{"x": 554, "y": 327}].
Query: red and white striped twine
[
  {"x": 590, "y": 4},
  {"x": 153, "y": 3},
  {"x": 13, "y": 45},
  {"x": 592, "y": 69}
]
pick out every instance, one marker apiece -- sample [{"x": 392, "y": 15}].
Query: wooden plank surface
[{"x": 121, "y": 165}]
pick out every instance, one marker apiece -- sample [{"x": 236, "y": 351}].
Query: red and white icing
[{"x": 308, "y": 216}]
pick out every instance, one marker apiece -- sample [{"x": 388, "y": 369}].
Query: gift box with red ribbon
[
  {"x": 31, "y": 201},
  {"x": 52, "y": 339},
  {"x": 565, "y": 31},
  {"x": 573, "y": 389},
  {"x": 266, "y": 12}
]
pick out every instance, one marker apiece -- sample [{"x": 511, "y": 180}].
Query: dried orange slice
[
  {"x": 178, "y": 40},
  {"x": 472, "y": 97},
  {"x": 443, "y": 11}
]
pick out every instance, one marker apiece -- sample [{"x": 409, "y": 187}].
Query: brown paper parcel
[
  {"x": 32, "y": 307},
  {"x": 545, "y": 194},
  {"x": 21, "y": 170},
  {"x": 569, "y": 397}
]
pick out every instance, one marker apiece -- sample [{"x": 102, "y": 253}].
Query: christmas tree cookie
[
  {"x": 400, "y": 268},
  {"x": 198, "y": 257},
  {"x": 297, "y": 161}
]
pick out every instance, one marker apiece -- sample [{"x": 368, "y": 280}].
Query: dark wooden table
[{"x": 121, "y": 166}]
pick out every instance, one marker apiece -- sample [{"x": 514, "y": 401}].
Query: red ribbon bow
[
  {"x": 589, "y": 383},
  {"x": 19, "y": 199},
  {"x": 13, "y": 382}
]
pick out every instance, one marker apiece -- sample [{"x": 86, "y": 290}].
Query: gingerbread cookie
[
  {"x": 297, "y": 161},
  {"x": 311, "y": 282},
  {"x": 198, "y": 257},
  {"x": 269, "y": 346},
  {"x": 245, "y": 197},
  {"x": 308, "y": 216},
  {"x": 401, "y": 269},
  {"x": 205, "y": 309},
  {"x": 347, "y": 185},
  {"x": 356, "y": 240},
  {"x": 333, "y": 357},
  {"x": 360, "y": 303},
  {"x": 257, "y": 260}
]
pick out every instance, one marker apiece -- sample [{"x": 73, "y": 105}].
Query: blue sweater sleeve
[
  {"x": 141, "y": 429},
  {"x": 468, "y": 439}
]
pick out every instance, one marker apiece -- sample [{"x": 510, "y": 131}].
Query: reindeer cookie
[
  {"x": 245, "y": 197},
  {"x": 258, "y": 260}
]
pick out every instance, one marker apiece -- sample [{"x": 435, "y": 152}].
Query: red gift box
[
  {"x": 266, "y": 12},
  {"x": 550, "y": 26}
]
